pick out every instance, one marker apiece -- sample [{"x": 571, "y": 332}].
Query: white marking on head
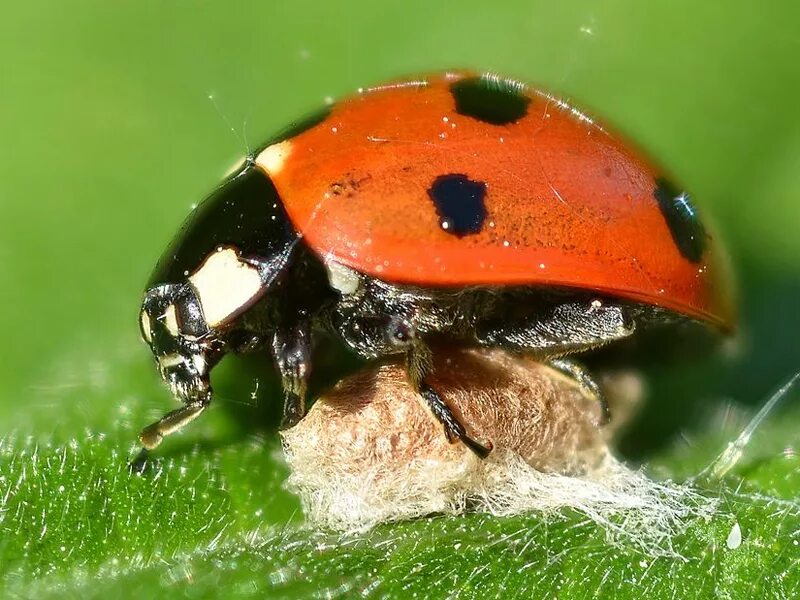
[
  {"x": 171, "y": 321},
  {"x": 225, "y": 285},
  {"x": 272, "y": 158},
  {"x": 145, "y": 321},
  {"x": 343, "y": 279},
  {"x": 170, "y": 360},
  {"x": 199, "y": 362}
]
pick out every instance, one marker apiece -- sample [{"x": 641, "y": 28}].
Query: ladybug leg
[
  {"x": 583, "y": 377},
  {"x": 152, "y": 435},
  {"x": 418, "y": 364},
  {"x": 453, "y": 428},
  {"x": 291, "y": 350}
]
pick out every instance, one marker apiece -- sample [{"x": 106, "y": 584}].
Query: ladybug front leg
[
  {"x": 152, "y": 435},
  {"x": 419, "y": 364},
  {"x": 291, "y": 350}
]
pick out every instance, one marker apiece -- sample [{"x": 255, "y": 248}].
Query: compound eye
[{"x": 189, "y": 316}]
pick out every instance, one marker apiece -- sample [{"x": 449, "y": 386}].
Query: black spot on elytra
[
  {"x": 495, "y": 101},
  {"x": 459, "y": 202},
  {"x": 682, "y": 219}
]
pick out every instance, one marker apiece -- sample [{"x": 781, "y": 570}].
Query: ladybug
[{"x": 461, "y": 208}]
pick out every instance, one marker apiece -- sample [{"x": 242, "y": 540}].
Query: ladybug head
[
  {"x": 191, "y": 323},
  {"x": 229, "y": 253},
  {"x": 183, "y": 345}
]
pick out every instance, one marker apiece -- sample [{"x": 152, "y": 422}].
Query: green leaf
[
  {"x": 109, "y": 137},
  {"x": 74, "y": 521}
]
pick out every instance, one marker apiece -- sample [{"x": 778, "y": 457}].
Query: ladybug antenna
[
  {"x": 735, "y": 449},
  {"x": 240, "y": 137}
]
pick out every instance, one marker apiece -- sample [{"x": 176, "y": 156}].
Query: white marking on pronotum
[
  {"x": 145, "y": 319},
  {"x": 272, "y": 158},
  {"x": 341, "y": 278},
  {"x": 171, "y": 320},
  {"x": 224, "y": 285}
]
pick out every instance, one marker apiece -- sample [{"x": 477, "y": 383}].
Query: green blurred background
[{"x": 109, "y": 135}]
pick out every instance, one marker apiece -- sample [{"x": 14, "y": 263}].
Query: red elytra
[{"x": 566, "y": 203}]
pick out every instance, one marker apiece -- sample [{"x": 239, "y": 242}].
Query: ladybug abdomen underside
[{"x": 465, "y": 180}]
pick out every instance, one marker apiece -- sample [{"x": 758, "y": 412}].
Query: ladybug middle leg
[
  {"x": 418, "y": 365},
  {"x": 453, "y": 428}
]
